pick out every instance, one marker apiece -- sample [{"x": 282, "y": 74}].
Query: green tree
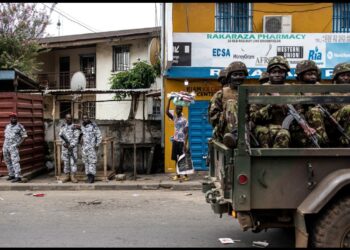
[
  {"x": 142, "y": 75},
  {"x": 21, "y": 25}
]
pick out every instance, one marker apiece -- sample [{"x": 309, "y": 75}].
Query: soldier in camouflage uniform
[
  {"x": 14, "y": 135},
  {"x": 264, "y": 77},
  {"x": 268, "y": 118},
  {"x": 223, "y": 77},
  {"x": 91, "y": 139},
  {"x": 341, "y": 112},
  {"x": 236, "y": 73},
  {"x": 214, "y": 114},
  {"x": 308, "y": 72},
  {"x": 69, "y": 134}
]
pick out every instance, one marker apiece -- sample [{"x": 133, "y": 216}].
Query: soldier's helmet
[
  {"x": 340, "y": 68},
  {"x": 304, "y": 66},
  {"x": 222, "y": 74},
  {"x": 236, "y": 66},
  {"x": 278, "y": 61},
  {"x": 264, "y": 76}
]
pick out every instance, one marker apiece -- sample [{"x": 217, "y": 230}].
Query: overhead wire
[
  {"x": 77, "y": 22},
  {"x": 77, "y": 19}
]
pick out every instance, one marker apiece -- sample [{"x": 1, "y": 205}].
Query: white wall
[
  {"x": 104, "y": 63},
  {"x": 112, "y": 110},
  {"x": 74, "y": 55}
]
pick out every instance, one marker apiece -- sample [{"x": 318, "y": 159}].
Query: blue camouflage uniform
[
  {"x": 13, "y": 135},
  {"x": 91, "y": 138},
  {"x": 72, "y": 135}
]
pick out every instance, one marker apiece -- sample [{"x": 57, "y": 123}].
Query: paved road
[{"x": 159, "y": 218}]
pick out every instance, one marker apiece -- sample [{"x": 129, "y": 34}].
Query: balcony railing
[{"x": 62, "y": 80}]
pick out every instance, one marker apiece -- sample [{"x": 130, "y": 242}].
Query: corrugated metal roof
[
  {"x": 100, "y": 35},
  {"x": 92, "y": 91},
  {"x": 7, "y": 77},
  {"x": 154, "y": 93}
]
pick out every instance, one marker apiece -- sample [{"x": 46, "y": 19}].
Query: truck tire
[{"x": 332, "y": 229}]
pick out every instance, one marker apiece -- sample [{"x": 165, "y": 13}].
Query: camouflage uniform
[
  {"x": 264, "y": 77},
  {"x": 217, "y": 107},
  {"x": 223, "y": 77},
  {"x": 13, "y": 135},
  {"x": 72, "y": 135},
  {"x": 268, "y": 119},
  {"x": 215, "y": 110},
  {"x": 91, "y": 138},
  {"x": 341, "y": 112},
  {"x": 312, "y": 114},
  {"x": 223, "y": 105}
]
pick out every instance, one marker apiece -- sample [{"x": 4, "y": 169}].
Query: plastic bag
[
  {"x": 182, "y": 98},
  {"x": 184, "y": 164},
  {"x": 178, "y": 102}
]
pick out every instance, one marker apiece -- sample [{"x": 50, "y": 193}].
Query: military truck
[{"x": 307, "y": 189}]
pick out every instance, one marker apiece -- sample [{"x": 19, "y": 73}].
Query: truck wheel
[{"x": 332, "y": 229}]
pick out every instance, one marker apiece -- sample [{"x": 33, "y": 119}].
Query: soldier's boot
[
  {"x": 66, "y": 178},
  {"x": 73, "y": 179}
]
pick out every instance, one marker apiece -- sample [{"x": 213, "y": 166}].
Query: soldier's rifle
[
  {"x": 325, "y": 113},
  {"x": 70, "y": 150},
  {"x": 248, "y": 128},
  {"x": 294, "y": 115}
]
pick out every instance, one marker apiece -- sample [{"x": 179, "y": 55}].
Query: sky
[{"x": 99, "y": 17}]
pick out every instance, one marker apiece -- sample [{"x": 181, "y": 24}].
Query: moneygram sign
[
  {"x": 337, "y": 53},
  {"x": 210, "y": 52}
]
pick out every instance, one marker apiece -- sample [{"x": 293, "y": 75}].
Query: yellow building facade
[{"x": 201, "y": 18}]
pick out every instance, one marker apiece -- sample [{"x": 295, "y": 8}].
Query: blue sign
[
  {"x": 212, "y": 73},
  {"x": 315, "y": 54},
  {"x": 337, "y": 53}
]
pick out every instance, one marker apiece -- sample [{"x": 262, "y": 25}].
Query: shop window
[
  {"x": 233, "y": 17},
  {"x": 341, "y": 17},
  {"x": 121, "y": 58}
]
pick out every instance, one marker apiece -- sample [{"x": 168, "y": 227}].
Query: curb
[{"x": 86, "y": 186}]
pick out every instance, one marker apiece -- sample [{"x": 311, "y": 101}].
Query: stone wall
[{"x": 148, "y": 131}]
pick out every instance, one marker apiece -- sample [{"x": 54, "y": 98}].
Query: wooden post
[
  {"x": 58, "y": 157},
  {"x": 105, "y": 160},
  {"x": 135, "y": 149},
  {"x": 112, "y": 152},
  {"x": 143, "y": 131},
  {"x": 54, "y": 135}
]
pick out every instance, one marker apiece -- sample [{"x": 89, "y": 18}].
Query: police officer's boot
[
  {"x": 10, "y": 178},
  {"x": 66, "y": 178},
  {"x": 73, "y": 179},
  {"x": 17, "y": 179},
  {"x": 88, "y": 178},
  {"x": 92, "y": 178}
]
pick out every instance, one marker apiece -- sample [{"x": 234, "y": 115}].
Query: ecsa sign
[{"x": 221, "y": 52}]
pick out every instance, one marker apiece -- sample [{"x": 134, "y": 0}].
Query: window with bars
[
  {"x": 341, "y": 17},
  {"x": 156, "y": 105},
  {"x": 65, "y": 108},
  {"x": 88, "y": 108},
  {"x": 233, "y": 17},
  {"x": 121, "y": 58}
]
